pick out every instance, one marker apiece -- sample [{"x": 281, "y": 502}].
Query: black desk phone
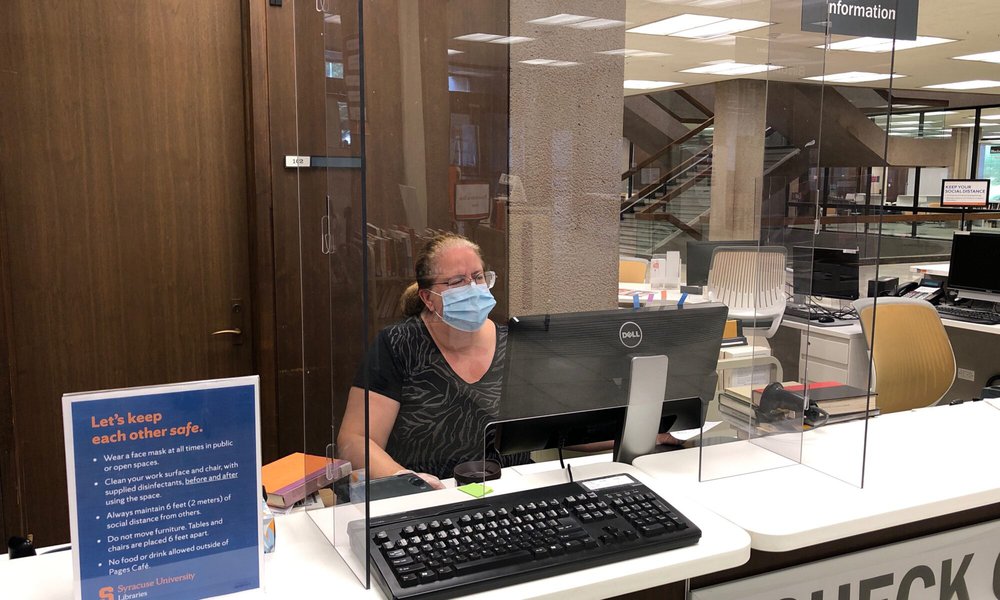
[{"x": 925, "y": 289}]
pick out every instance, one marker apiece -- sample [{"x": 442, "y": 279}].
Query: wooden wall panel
[
  {"x": 260, "y": 223},
  {"x": 125, "y": 197}
]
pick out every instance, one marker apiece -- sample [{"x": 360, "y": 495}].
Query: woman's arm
[{"x": 352, "y": 441}]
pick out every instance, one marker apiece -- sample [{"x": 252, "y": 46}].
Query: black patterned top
[{"x": 442, "y": 418}]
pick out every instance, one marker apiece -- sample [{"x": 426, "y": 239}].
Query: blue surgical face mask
[{"x": 467, "y": 307}]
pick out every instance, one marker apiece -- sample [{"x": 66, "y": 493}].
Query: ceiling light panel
[
  {"x": 990, "y": 57},
  {"x": 597, "y": 24},
  {"x": 851, "y": 77},
  {"x": 479, "y": 37},
  {"x": 974, "y": 84},
  {"x": 726, "y": 27},
  {"x": 873, "y": 44},
  {"x": 561, "y": 19},
  {"x": 729, "y": 67},
  {"x": 645, "y": 84},
  {"x": 675, "y": 24},
  {"x": 511, "y": 39},
  {"x": 549, "y": 62}
]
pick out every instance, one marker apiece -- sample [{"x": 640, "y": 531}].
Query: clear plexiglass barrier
[{"x": 534, "y": 230}]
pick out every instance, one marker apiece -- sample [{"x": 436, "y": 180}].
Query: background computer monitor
[
  {"x": 699, "y": 258},
  {"x": 566, "y": 376},
  {"x": 974, "y": 270},
  {"x": 826, "y": 272}
]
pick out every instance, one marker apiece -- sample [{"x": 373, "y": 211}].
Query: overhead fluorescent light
[
  {"x": 726, "y": 27},
  {"x": 940, "y": 112},
  {"x": 453, "y": 51},
  {"x": 852, "y": 77},
  {"x": 560, "y": 19},
  {"x": 597, "y": 24},
  {"x": 894, "y": 123},
  {"x": 990, "y": 117},
  {"x": 973, "y": 84},
  {"x": 550, "y": 62},
  {"x": 672, "y": 25},
  {"x": 905, "y": 128},
  {"x": 631, "y": 53},
  {"x": 645, "y": 84},
  {"x": 973, "y": 125},
  {"x": 479, "y": 37},
  {"x": 511, "y": 39},
  {"x": 874, "y": 44},
  {"x": 729, "y": 67},
  {"x": 990, "y": 57}
]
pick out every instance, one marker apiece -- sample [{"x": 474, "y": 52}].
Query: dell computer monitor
[
  {"x": 826, "y": 272},
  {"x": 567, "y": 376},
  {"x": 974, "y": 271},
  {"x": 699, "y": 258}
]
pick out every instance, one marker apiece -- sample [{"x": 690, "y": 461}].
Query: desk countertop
[
  {"x": 918, "y": 464},
  {"x": 305, "y": 561}
]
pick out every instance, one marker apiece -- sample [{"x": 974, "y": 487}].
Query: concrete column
[
  {"x": 565, "y": 128},
  {"x": 961, "y": 164},
  {"x": 738, "y": 159}
]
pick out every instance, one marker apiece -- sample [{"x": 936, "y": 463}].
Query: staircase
[{"x": 651, "y": 220}]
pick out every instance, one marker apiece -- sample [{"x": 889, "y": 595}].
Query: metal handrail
[
  {"x": 696, "y": 159},
  {"x": 659, "y": 153}
]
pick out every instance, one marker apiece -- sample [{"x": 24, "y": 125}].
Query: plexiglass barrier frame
[{"x": 523, "y": 128}]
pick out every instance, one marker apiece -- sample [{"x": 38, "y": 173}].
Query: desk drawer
[
  {"x": 817, "y": 371},
  {"x": 824, "y": 348}
]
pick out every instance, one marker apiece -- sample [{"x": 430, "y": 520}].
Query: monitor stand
[{"x": 646, "y": 390}]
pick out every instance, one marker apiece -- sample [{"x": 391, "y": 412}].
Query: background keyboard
[
  {"x": 971, "y": 315},
  {"x": 470, "y": 546}
]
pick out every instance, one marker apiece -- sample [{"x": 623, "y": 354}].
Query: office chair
[
  {"x": 751, "y": 282},
  {"x": 913, "y": 360},
  {"x": 632, "y": 269}
]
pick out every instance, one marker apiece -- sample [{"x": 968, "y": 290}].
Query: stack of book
[
  {"x": 842, "y": 402},
  {"x": 290, "y": 479}
]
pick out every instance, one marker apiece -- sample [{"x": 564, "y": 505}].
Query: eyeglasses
[{"x": 487, "y": 277}]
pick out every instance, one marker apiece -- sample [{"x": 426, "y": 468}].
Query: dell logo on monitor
[{"x": 630, "y": 334}]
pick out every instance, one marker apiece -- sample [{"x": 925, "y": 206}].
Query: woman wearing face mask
[{"x": 434, "y": 378}]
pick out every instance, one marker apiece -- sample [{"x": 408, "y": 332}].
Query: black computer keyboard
[
  {"x": 971, "y": 315},
  {"x": 471, "y": 546}
]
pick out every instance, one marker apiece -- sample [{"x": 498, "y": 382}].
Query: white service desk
[
  {"x": 920, "y": 467},
  {"x": 304, "y": 560}
]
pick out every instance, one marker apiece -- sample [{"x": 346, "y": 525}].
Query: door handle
[{"x": 236, "y": 326}]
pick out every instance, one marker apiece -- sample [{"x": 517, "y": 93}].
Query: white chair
[
  {"x": 633, "y": 269},
  {"x": 751, "y": 282}
]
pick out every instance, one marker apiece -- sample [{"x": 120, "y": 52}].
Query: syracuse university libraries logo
[
  {"x": 630, "y": 334},
  {"x": 106, "y": 593}
]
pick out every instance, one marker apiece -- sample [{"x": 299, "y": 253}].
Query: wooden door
[{"x": 124, "y": 199}]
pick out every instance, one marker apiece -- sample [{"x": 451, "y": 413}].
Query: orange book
[{"x": 292, "y": 478}]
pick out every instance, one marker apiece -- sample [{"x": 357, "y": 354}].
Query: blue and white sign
[
  {"x": 164, "y": 490},
  {"x": 886, "y": 19}
]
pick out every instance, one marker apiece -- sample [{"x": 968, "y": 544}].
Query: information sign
[
  {"x": 164, "y": 490},
  {"x": 965, "y": 192},
  {"x": 886, "y": 19}
]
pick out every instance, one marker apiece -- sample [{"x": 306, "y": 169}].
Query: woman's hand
[
  {"x": 665, "y": 439},
  {"x": 431, "y": 480}
]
